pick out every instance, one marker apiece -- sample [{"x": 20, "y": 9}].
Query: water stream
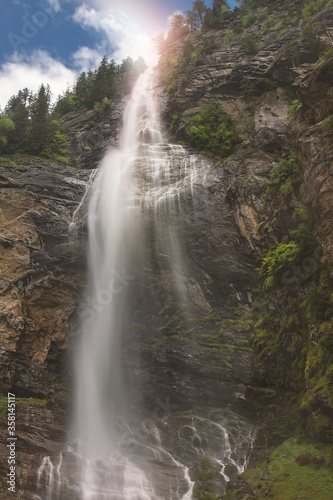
[{"x": 116, "y": 451}]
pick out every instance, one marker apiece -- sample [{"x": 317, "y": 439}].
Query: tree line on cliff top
[{"x": 30, "y": 124}]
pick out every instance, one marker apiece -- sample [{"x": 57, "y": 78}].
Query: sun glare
[{"x": 138, "y": 27}]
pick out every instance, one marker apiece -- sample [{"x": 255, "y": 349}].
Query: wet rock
[
  {"x": 231, "y": 471},
  {"x": 267, "y": 140}
]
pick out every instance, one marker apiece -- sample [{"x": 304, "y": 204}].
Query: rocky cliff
[
  {"x": 275, "y": 79},
  {"x": 42, "y": 278},
  {"x": 269, "y": 79},
  {"x": 277, "y": 87}
]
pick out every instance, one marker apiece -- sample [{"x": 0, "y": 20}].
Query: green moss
[
  {"x": 7, "y": 161},
  {"x": 31, "y": 401},
  {"x": 295, "y": 471},
  {"x": 292, "y": 109},
  {"x": 302, "y": 212},
  {"x": 238, "y": 325},
  {"x": 18, "y": 402},
  {"x": 318, "y": 304},
  {"x": 171, "y": 89},
  {"x": 210, "y": 317},
  {"x": 205, "y": 489},
  {"x": 328, "y": 124}
]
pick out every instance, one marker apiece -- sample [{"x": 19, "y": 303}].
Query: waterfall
[
  {"x": 134, "y": 213},
  {"x": 137, "y": 177}
]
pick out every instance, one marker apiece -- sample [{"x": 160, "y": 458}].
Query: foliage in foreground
[{"x": 205, "y": 488}]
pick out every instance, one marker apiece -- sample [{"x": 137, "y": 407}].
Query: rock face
[
  {"x": 270, "y": 79},
  {"x": 41, "y": 281},
  {"x": 91, "y": 134},
  {"x": 189, "y": 361},
  {"x": 257, "y": 90}
]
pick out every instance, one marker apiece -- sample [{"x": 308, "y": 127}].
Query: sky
[{"x": 53, "y": 41}]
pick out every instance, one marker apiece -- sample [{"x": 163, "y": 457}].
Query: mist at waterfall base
[{"x": 121, "y": 450}]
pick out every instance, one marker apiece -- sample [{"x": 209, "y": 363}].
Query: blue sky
[{"x": 52, "y": 41}]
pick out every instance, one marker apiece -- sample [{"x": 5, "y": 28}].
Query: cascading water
[
  {"x": 114, "y": 221},
  {"x": 134, "y": 234}
]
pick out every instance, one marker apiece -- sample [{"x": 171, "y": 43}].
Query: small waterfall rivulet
[{"x": 118, "y": 450}]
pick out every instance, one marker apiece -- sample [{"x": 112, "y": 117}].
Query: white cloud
[
  {"x": 86, "y": 58},
  {"x": 31, "y": 71},
  {"x": 123, "y": 36}
]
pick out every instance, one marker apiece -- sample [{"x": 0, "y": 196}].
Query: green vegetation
[
  {"x": 229, "y": 35},
  {"x": 94, "y": 87},
  {"x": 328, "y": 124},
  {"x": 35, "y": 130},
  {"x": 278, "y": 260},
  {"x": 6, "y": 125},
  {"x": 318, "y": 50},
  {"x": 176, "y": 68},
  {"x": 292, "y": 109},
  {"x": 200, "y": 17},
  {"x": 303, "y": 243},
  {"x": 293, "y": 318},
  {"x": 284, "y": 177},
  {"x": 248, "y": 19},
  {"x": 30, "y": 124},
  {"x": 312, "y": 8},
  {"x": 212, "y": 130},
  {"x": 309, "y": 10},
  {"x": 251, "y": 43},
  {"x": 18, "y": 402},
  {"x": 295, "y": 470},
  {"x": 205, "y": 488},
  {"x": 262, "y": 13},
  {"x": 269, "y": 23}
]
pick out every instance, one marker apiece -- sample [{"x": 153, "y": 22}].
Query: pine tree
[
  {"x": 192, "y": 20},
  {"x": 102, "y": 82},
  {"x": 81, "y": 89},
  {"x": 18, "y": 110},
  {"x": 178, "y": 27},
  {"x": 199, "y": 8},
  {"x": 40, "y": 123},
  {"x": 216, "y": 6}
]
